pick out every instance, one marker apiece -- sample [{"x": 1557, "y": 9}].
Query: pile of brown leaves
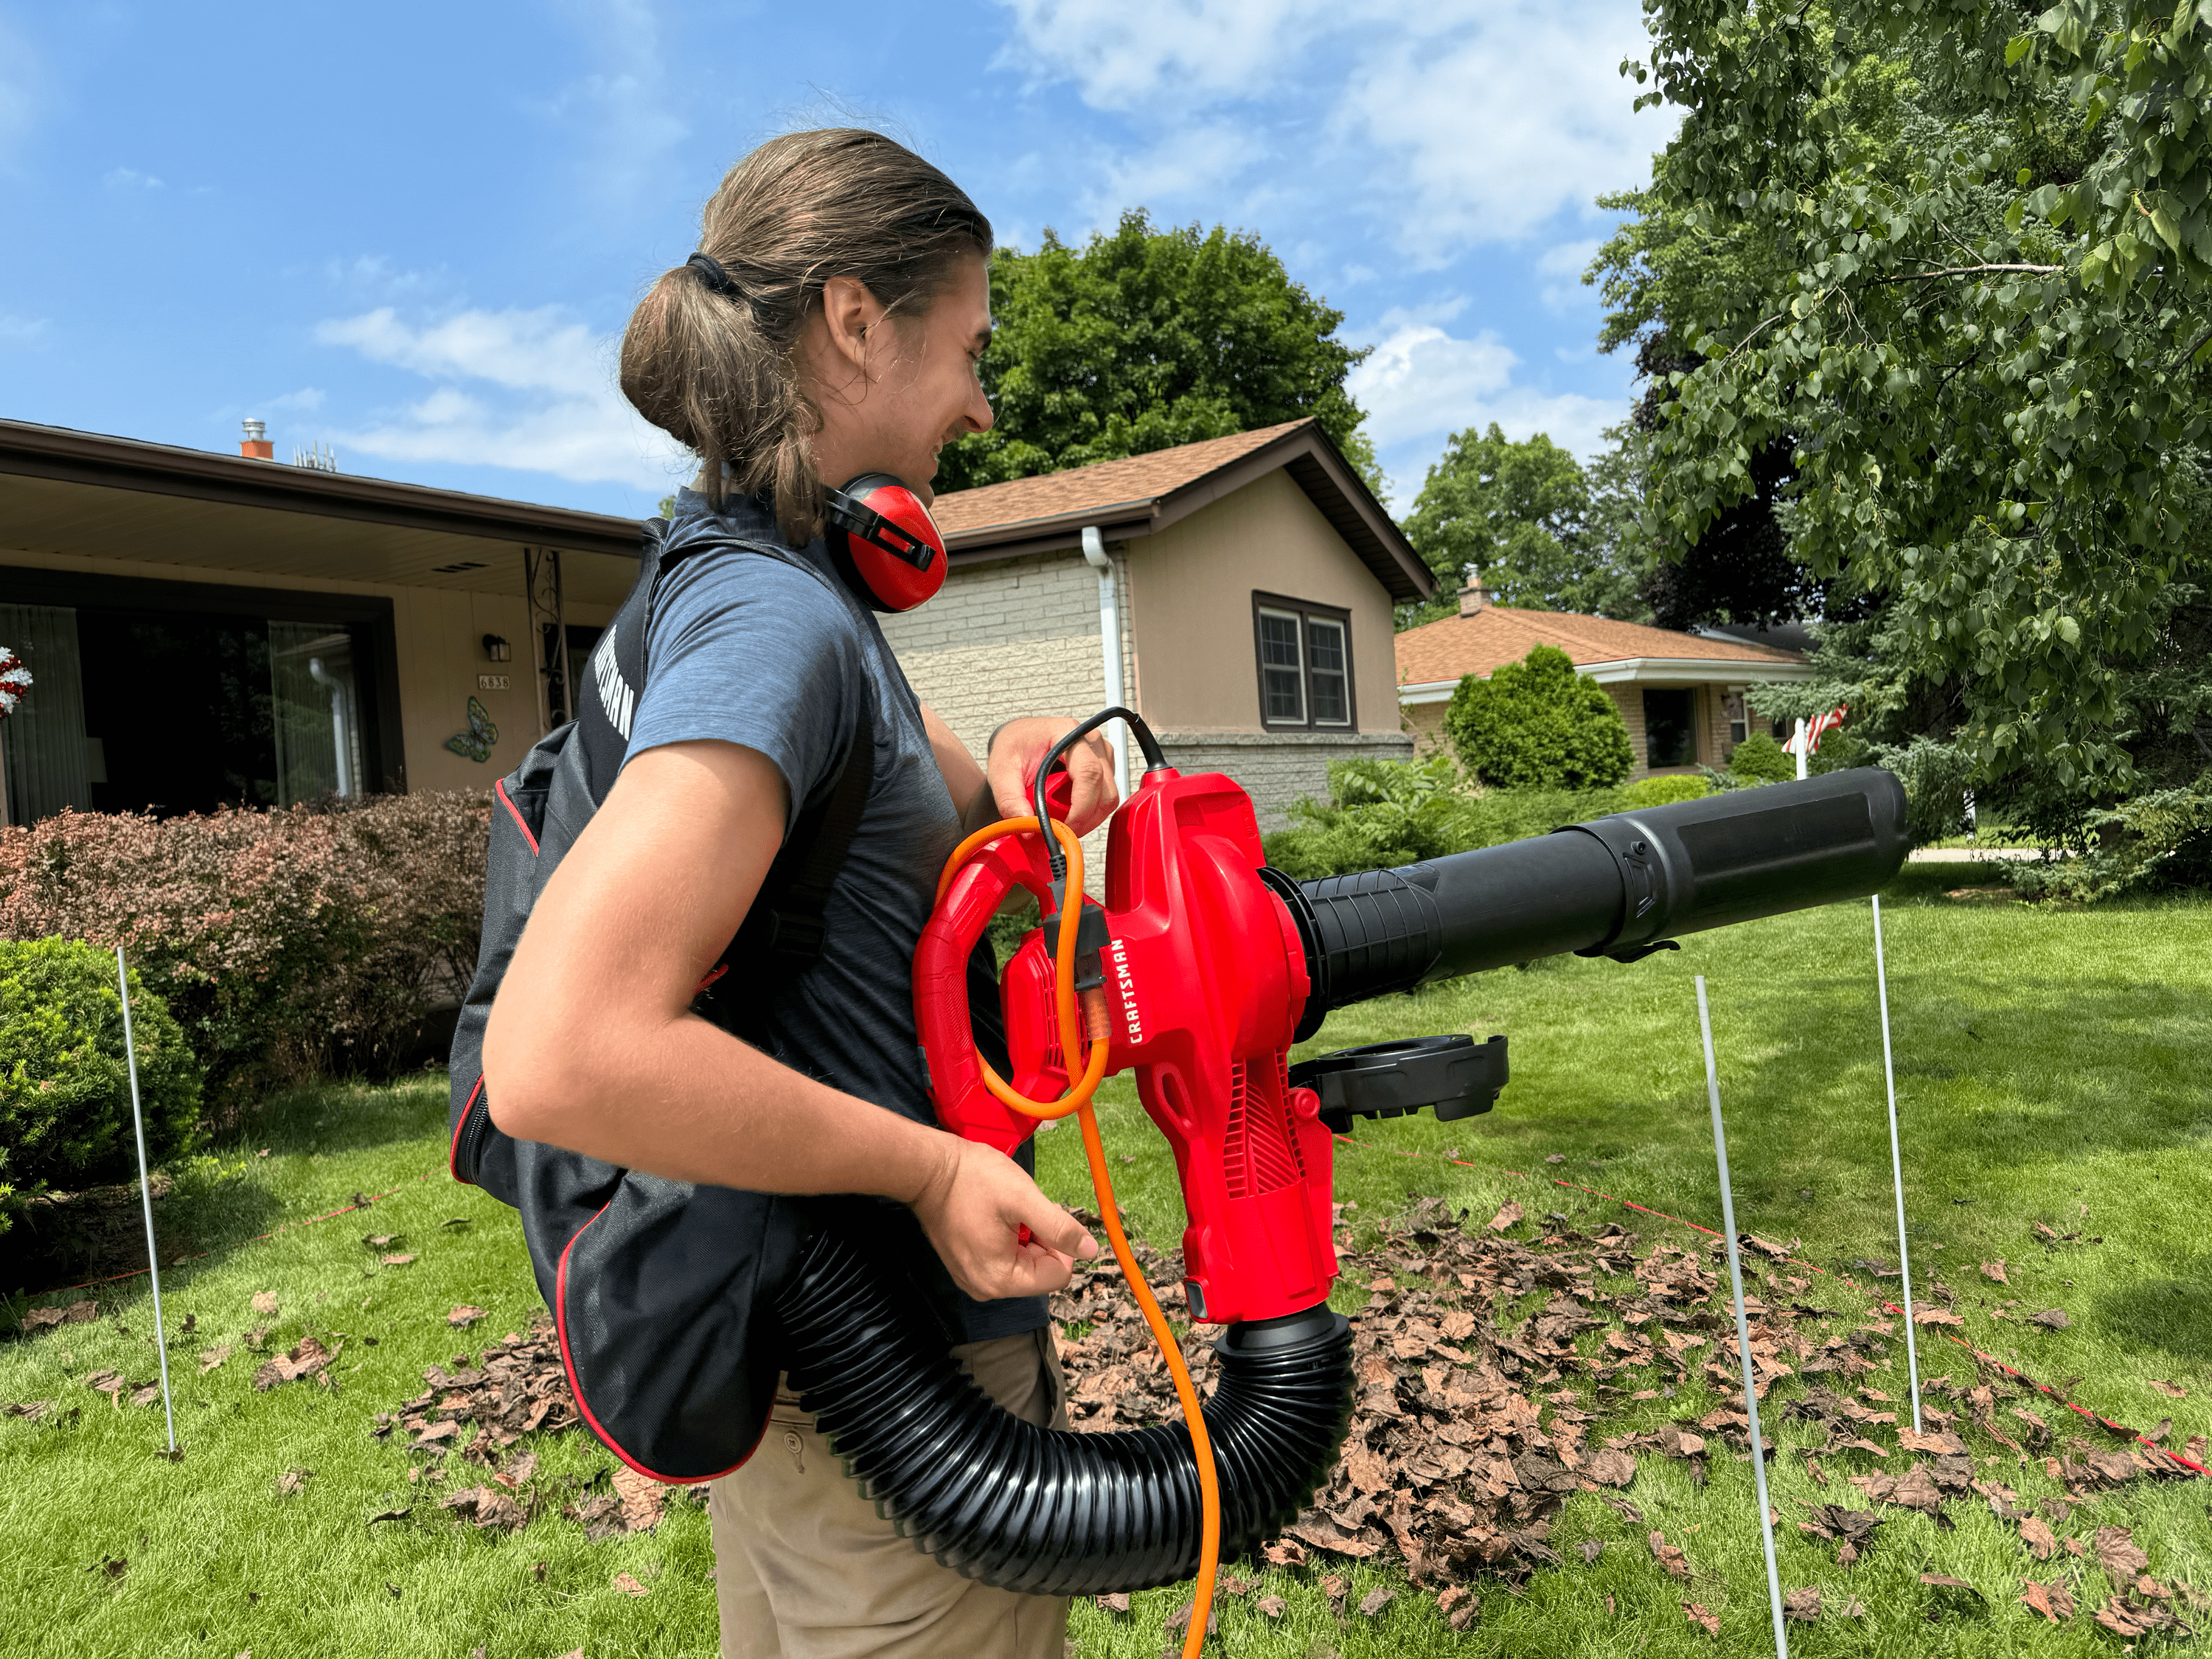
[{"x": 1468, "y": 1436}]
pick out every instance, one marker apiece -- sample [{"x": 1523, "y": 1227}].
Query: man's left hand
[{"x": 1018, "y": 748}]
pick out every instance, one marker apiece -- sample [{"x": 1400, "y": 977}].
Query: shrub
[
  {"x": 1382, "y": 813},
  {"x": 1759, "y": 759},
  {"x": 64, "y": 1086},
  {"x": 2163, "y": 839},
  {"x": 1936, "y": 776},
  {"x": 285, "y": 942},
  {"x": 1840, "y": 752},
  {"x": 1536, "y": 724},
  {"x": 1663, "y": 791}
]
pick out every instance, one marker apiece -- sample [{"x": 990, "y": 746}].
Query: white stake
[
  {"x": 1743, "y": 1328},
  {"x": 1896, "y": 1165},
  {"x": 146, "y": 1196}
]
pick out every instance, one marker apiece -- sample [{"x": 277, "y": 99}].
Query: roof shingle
[
  {"x": 1135, "y": 478},
  {"x": 1458, "y": 645}
]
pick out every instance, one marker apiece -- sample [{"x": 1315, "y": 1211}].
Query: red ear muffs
[{"x": 885, "y": 542}]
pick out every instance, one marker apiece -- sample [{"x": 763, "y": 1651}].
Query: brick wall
[{"x": 1276, "y": 769}]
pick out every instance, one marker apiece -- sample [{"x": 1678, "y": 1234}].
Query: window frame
[
  {"x": 1689, "y": 692},
  {"x": 1308, "y": 612}
]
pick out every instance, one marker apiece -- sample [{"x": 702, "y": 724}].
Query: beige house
[
  {"x": 206, "y": 628},
  {"x": 1238, "y": 593},
  {"x": 1688, "y": 699}
]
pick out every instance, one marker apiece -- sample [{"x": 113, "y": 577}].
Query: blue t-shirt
[{"x": 745, "y": 647}]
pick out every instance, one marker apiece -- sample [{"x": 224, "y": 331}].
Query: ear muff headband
[{"x": 885, "y": 541}]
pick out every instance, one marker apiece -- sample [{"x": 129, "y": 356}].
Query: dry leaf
[
  {"x": 1936, "y": 1445},
  {"x": 464, "y": 1316},
  {"x": 291, "y": 1480},
  {"x": 1371, "y": 1604},
  {"x": 641, "y": 1498},
  {"x": 1116, "y": 1601},
  {"x": 1668, "y": 1557},
  {"x": 1592, "y": 1548},
  {"x": 1508, "y": 1215},
  {"x": 1936, "y": 1317},
  {"x": 1995, "y": 1272},
  {"x": 2172, "y": 1390},
  {"x": 2119, "y": 1554},
  {"x": 1708, "y": 1622},
  {"x": 77, "y": 1313},
  {"x": 1802, "y": 1605},
  {"x": 1272, "y": 1606},
  {"x": 2037, "y": 1536},
  {"x": 2053, "y": 1601},
  {"x": 213, "y": 1358},
  {"x": 2051, "y": 1319},
  {"x": 264, "y": 1301},
  {"x": 627, "y": 1585},
  {"x": 395, "y": 1261}
]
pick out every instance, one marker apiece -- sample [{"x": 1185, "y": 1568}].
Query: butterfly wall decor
[{"x": 475, "y": 743}]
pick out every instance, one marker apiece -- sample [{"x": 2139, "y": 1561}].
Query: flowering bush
[
  {"x": 64, "y": 1090},
  {"x": 286, "y": 943}
]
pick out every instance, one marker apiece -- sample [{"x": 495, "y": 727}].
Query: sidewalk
[{"x": 1975, "y": 854}]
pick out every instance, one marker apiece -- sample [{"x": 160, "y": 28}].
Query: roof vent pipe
[
  {"x": 1109, "y": 642},
  {"x": 256, "y": 446}
]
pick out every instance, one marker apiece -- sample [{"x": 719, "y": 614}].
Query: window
[
  {"x": 1304, "y": 654},
  {"x": 1670, "y": 728},
  {"x": 1738, "y": 722}
]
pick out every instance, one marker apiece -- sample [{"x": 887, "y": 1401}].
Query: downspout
[{"x": 1109, "y": 640}]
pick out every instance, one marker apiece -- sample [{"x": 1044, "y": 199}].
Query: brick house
[
  {"x": 1237, "y": 592},
  {"x": 1688, "y": 699}
]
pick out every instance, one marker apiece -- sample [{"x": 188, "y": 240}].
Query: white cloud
[
  {"x": 1127, "y": 53},
  {"x": 129, "y": 178},
  {"x": 1456, "y": 122},
  {"x": 24, "y": 330},
  {"x": 1499, "y": 120},
  {"x": 20, "y": 71},
  {"x": 1191, "y": 161},
  {"x": 1563, "y": 267},
  {"x": 539, "y": 396},
  {"x": 307, "y": 398},
  {"x": 1422, "y": 384}
]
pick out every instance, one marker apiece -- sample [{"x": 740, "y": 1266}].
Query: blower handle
[{"x": 1155, "y": 761}]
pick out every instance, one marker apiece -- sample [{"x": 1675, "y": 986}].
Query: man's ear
[{"x": 850, "y": 315}]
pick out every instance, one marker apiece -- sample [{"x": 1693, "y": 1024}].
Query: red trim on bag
[
  {"x": 500, "y": 789},
  {"x": 453, "y": 1152},
  {"x": 569, "y": 1364}
]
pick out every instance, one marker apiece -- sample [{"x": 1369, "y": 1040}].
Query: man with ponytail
[{"x": 828, "y": 329}]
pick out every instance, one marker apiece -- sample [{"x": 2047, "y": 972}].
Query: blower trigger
[{"x": 1457, "y": 1075}]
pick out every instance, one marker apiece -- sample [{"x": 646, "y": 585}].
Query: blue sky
[{"x": 413, "y": 233}]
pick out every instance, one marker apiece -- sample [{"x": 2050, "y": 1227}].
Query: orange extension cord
[{"x": 1077, "y": 1101}]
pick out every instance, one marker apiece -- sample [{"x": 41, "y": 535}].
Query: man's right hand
[{"x": 972, "y": 1208}]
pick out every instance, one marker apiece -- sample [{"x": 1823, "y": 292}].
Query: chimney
[
  {"x": 256, "y": 446},
  {"x": 1474, "y": 595}
]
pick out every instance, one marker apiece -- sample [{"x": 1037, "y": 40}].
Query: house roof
[
  {"x": 67, "y": 491},
  {"x": 1434, "y": 657},
  {"x": 1140, "y": 494}
]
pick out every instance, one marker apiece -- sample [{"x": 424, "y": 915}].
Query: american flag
[{"x": 1820, "y": 723}]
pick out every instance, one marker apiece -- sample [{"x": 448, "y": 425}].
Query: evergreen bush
[
  {"x": 1759, "y": 759},
  {"x": 64, "y": 1086},
  {"x": 1536, "y": 724},
  {"x": 1382, "y": 813},
  {"x": 1664, "y": 791}
]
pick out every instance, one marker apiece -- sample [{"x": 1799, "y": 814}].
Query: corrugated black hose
[{"x": 1047, "y": 1512}]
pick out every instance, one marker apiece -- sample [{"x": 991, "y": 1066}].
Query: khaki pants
[{"x": 805, "y": 1569}]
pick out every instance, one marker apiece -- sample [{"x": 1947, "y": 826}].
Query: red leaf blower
[{"x": 1200, "y": 971}]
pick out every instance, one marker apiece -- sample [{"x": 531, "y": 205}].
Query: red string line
[
  {"x": 201, "y": 1255},
  {"x": 1813, "y": 1267}
]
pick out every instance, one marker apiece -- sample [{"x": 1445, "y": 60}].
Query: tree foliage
[
  {"x": 1536, "y": 724},
  {"x": 1144, "y": 338},
  {"x": 1523, "y": 515},
  {"x": 1954, "y": 256}
]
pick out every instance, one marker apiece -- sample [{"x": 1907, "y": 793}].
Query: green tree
[
  {"x": 1526, "y": 517},
  {"x": 1144, "y": 338},
  {"x": 1954, "y": 264},
  {"x": 1536, "y": 724}
]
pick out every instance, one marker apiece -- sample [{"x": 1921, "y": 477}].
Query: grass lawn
[{"x": 2051, "y": 1068}]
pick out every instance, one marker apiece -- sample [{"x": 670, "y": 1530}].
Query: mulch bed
[{"x": 1488, "y": 1360}]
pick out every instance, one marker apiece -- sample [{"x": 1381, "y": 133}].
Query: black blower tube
[
  {"x": 1616, "y": 886},
  {"x": 1054, "y": 1512}
]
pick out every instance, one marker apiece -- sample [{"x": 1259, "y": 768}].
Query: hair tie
[{"x": 712, "y": 277}]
